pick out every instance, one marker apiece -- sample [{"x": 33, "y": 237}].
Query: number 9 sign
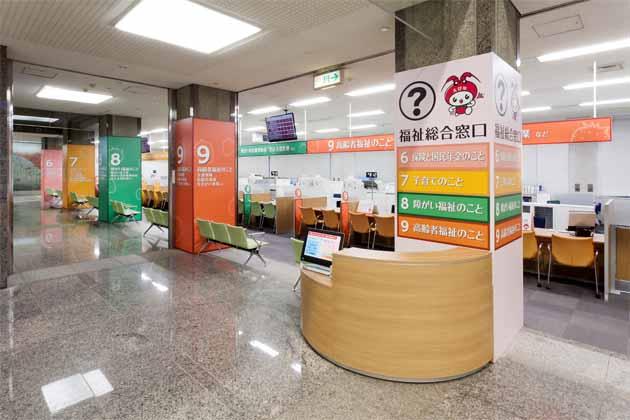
[
  {"x": 180, "y": 154},
  {"x": 203, "y": 154}
]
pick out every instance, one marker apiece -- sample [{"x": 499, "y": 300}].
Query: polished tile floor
[
  {"x": 167, "y": 335},
  {"x": 51, "y": 238}
]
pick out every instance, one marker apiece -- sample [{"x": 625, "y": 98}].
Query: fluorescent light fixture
[
  {"x": 608, "y": 102},
  {"x": 372, "y": 89},
  {"x": 186, "y": 24},
  {"x": 589, "y": 49},
  {"x": 525, "y": 93},
  {"x": 157, "y": 130},
  {"x": 362, "y": 126},
  {"x": 536, "y": 109},
  {"x": 264, "y": 348},
  {"x": 327, "y": 130},
  {"x": 256, "y": 128},
  {"x": 366, "y": 113},
  {"x": 300, "y": 133},
  {"x": 61, "y": 94},
  {"x": 264, "y": 110},
  {"x": 605, "y": 82},
  {"x": 159, "y": 286},
  {"x": 36, "y": 119},
  {"x": 311, "y": 101}
]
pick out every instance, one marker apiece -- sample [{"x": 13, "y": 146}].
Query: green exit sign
[{"x": 327, "y": 79}]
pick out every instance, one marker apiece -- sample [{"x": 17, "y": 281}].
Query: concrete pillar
[
  {"x": 6, "y": 178},
  {"x": 205, "y": 102},
  {"x": 119, "y": 126},
  {"x": 457, "y": 29}
]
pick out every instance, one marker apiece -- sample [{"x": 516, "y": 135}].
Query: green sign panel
[
  {"x": 119, "y": 176},
  {"x": 471, "y": 209},
  {"x": 269, "y": 149},
  {"x": 507, "y": 206},
  {"x": 330, "y": 78}
]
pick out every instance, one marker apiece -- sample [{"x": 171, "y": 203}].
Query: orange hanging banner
[
  {"x": 380, "y": 142},
  {"x": 587, "y": 130}
]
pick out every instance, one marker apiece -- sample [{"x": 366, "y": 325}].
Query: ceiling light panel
[
  {"x": 362, "y": 126},
  {"x": 264, "y": 110},
  {"x": 35, "y": 119},
  {"x": 185, "y": 24},
  {"x": 310, "y": 101},
  {"x": 257, "y": 128},
  {"x": 586, "y": 50},
  {"x": 536, "y": 109},
  {"x": 327, "y": 130},
  {"x": 599, "y": 83},
  {"x": 366, "y": 113},
  {"x": 608, "y": 102},
  {"x": 370, "y": 90},
  {"x": 525, "y": 93},
  {"x": 61, "y": 94}
]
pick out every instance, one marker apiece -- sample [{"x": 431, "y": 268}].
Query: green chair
[
  {"x": 205, "y": 231},
  {"x": 162, "y": 218},
  {"x": 297, "y": 254},
  {"x": 220, "y": 233},
  {"x": 56, "y": 197},
  {"x": 77, "y": 200},
  {"x": 93, "y": 202},
  {"x": 256, "y": 211},
  {"x": 150, "y": 216},
  {"x": 240, "y": 239},
  {"x": 269, "y": 212},
  {"x": 124, "y": 210},
  {"x": 241, "y": 212}
]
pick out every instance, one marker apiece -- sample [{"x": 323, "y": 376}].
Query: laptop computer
[{"x": 318, "y": 249}]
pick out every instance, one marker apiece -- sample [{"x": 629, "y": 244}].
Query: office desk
[{"x": 413, "y": 317}]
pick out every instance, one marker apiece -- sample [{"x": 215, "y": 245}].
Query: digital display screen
[
  {"x": 319, "y": 246},
  {"x": 146, "y": 147},
  {"x": 281, "y": 127}
]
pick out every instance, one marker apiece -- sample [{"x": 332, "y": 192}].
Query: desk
[{"x": 413, "y": 317}]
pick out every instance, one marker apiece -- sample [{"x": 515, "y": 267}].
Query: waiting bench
[
  {"x": 124, "y": 210},
  {"x": 233, "y": 236},
  {"x": 157, "y": 218}
]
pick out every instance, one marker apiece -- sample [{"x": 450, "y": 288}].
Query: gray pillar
[
  {"x": 118, "y": 125},
  {"x": 6, "y": 178},
  {"x": 205, "y": 102},
  {"x": 457, "y": 29}
]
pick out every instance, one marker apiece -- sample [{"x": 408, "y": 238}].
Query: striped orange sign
[{"x": 586, "y": 130}]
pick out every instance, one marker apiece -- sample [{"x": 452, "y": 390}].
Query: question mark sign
[
  {"x": 502, "y": 94},
  {"x": 422, "y": 93}
]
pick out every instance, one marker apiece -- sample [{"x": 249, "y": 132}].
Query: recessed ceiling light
[
  {"x": 256, "y": 128},
  {"x": 589, "y": 49},
  {"x": 366, "y": 113},
  {"x": 310, "y": 101},
  {"x": 385, "y": 29},
  {"x": 607, "y": 102},
  {"x": 36, "y": 119},
  {"x": 362, "y": 126},
  {"x": 300, "y": 133},
  {"x": 327, "y": 130},
  {"x": 606, "y": 82},
  {"x": 372, "y": 89},
  {"x": 155, "y": 131},
  {"x": 185, "y": 24},
  {"x": 536, "y": 109},
  {"x": 61, "y": 94},
  {"x": 525, "y": 93},
  {"x": 264, "y": 110}
]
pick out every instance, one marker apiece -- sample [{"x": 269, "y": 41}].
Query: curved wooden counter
[{"x": 415, "y": 317}]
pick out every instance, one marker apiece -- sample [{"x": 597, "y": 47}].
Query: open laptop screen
[{"x": 320, "y": 245}]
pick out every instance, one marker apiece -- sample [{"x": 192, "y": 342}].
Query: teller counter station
[{"x": 412, "y": 317}]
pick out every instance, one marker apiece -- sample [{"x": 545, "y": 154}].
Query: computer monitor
[
  {"x": 582, "y": 219},
  {"x": 320, "y": 245}
]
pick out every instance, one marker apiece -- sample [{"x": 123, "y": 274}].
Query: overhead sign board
[
  {"x": 270, "y": 149},
  {"x": 324, "y": 80},
  {"x": 586, "y": 130},
  {"x": 376, "y": 143}
]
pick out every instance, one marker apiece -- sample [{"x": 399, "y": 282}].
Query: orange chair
[
  {"x": 308, "y": 218},
  {"x": 359, "y": 223},
  {"x": 532, "y": 249},
  {"x": 331, "y": 219},
  {"x": 573, "y": 252},
  {"x": 383, "y": 227}
]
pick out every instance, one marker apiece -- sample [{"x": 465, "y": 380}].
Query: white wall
[
  {"x": 335, "y": 165},
  {"x": 161, "y": 168},
  {"x": 559, "y": 166}
]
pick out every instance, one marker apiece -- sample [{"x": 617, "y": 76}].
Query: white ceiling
[
  {"x": 332, "y": 114},
  {"x": 602, "y": 20},
  {"x": 297, "y": 36}
]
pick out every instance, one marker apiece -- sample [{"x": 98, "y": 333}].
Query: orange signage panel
[
  {"x": 381, "y": 142},
  {"x": 585, "y": 130},
  {"x": 472, "y": 235},
  {"x": 80, "y": 172}
]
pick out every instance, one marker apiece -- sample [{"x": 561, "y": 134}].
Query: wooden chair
[
  {"x": 331, "y": 219},
  {"x": 308, "y": 219},
  {"x": 360, "y": 224},
  {"x": 573, "y": 252},
  {"x": 383, "y": 227},
  {"x": 532, "y": 250}
]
